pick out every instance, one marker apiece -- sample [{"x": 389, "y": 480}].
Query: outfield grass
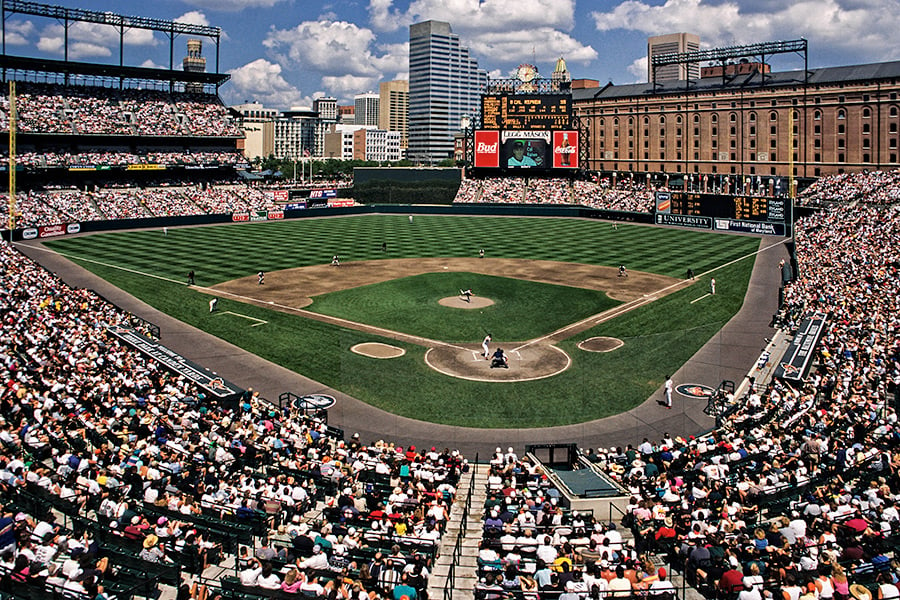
[
  {"x": 659, "y": 337},
  {"x": 410, "y": 305}
]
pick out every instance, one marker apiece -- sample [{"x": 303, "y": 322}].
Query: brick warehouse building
[{"x": 843, "y": 119}]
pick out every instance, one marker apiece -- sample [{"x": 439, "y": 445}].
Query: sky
[{"x": 286, "y": 53}]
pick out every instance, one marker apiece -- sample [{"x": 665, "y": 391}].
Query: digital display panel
[{"x": 526, "y": 111}]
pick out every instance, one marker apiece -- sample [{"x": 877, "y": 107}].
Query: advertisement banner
[
  {"x": 73, "y": 228},
  {"x": 330, "y": 193},
  {"x": 295, "y": 206},
  {"x": 29, "y": 234},
  {"x": 190, "y": 370},
  {"x": 275, "y": 215},
  {"x": 280, "y": 196},
  {"x": 695, "y": 222},
  {"x": 147, "y": 167},
  {"x": 46, "y": 231},
  {"x": 487, "y": 149},
  {"x": 565, "y": 149},
  {"x": 757, "y": 227},
  {"x": 259, "y": 215},
  {"x": 798, "y": 357},
  {"x": 341, "y": 203},
  {"x": 663, "y": 202},
  {"x": 240, "y": 217}
]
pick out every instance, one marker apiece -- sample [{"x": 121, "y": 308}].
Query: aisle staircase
[{"x": 456, "y": 568}]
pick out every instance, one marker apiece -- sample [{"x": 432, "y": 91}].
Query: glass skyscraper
[{"x": 444, "y": 85}]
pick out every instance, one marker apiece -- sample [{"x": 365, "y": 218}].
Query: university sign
[{"x": 696, "y": 222}]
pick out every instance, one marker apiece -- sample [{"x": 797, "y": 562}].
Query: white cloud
[
  {"x": 512, "y": 31},
  {"x": 383, "y": 17},
  {"x": 149, "y": 64},
  {"x": 541, "y": 44},
  {"x": 347, "y": 86},
  {"x": 326, "y": 47},
  {"x": 857, "y": 27},
  {"x": 232, "y": 5},
  {"x": 262, "y": 81},
  {"x": 193, "y": 17},
  {"x": 477, "y": 15},
  {"x": 90, "y": 39},
  {"x": 86, "y": 50},
  {"x": 18, "y": 32},
  {"x": 639, "y": 69}
]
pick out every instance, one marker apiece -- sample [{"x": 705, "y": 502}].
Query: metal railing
[{"x": 450, "y": 583}]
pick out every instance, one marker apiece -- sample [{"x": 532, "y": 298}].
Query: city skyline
[{"x": 286, "y": 53}]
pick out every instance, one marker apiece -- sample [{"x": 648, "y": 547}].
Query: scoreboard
[
  {"x": 753, "y": 214},
  {"x": 745, "y": 208},
  {"x": 526, "y": 112}
]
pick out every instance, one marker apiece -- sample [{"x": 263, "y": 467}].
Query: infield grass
[
  {"x": 658, "y": 337},
  {"x": 511, "y": 317}
]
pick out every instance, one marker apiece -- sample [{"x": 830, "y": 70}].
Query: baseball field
[{"x": 582, "y": 341}]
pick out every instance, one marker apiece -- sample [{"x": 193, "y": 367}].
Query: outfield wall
[
  {"x": 480, "y": 209},
  {"x": 496, "y": 210}
]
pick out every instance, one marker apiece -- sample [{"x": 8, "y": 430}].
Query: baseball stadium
[{"x": 546, "y": 373}]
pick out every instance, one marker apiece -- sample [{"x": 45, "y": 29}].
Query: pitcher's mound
[
  {"x": 526, "y": 363},
  {"x": 460, "y": 302},
  {"x": 600, "y": 344}
]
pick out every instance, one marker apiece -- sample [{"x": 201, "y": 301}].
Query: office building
[
  {"x": 393, "y": 108},
  {"x": 671, "y": 44},
  {"x": 445, "y": 84},
  {"x": 365, "y": 109}
]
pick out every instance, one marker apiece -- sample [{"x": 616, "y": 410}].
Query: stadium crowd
[
  {"x": 148, "y": 471},
  {"x": 38, "y": 208},
  {"x": 871, "y": 187},
  {"x": 110, "y": 158},
  {"x": 796, "y": 496},
  {"x": 85, "y": 110},
  {"x": 624, "y": 196}
]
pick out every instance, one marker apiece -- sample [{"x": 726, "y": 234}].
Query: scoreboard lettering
[
  {"x": 526, "y": 112},
  {"x": 741, "y": 208}
]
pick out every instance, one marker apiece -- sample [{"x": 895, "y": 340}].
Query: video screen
[{"x": 524, "y": 154}]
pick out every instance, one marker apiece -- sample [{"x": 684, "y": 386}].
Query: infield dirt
[
  {"x": 291, "y": 290},
  {"x": 295, "y": 288}
]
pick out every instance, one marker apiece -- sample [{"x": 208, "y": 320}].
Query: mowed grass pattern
[
  {"x": 227, "y": 252},
  {"x": 410, "y": 305},
  {"x": 658, "y": 337}
]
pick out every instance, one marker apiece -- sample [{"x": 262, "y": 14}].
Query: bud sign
[{"x": 487, "y": 149}]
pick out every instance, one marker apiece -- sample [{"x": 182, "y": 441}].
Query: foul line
[
  {"x": 98, "y": 262},
  {"x": 638, "y": 302},
  {"x": 701, "y": 297},
  {"x": 259, "y": 321}
]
